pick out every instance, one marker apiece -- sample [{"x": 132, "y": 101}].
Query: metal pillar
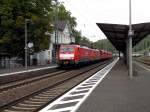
[
  {"x": 130, "y": 58},
  {"x": 56, "y": 31},
  {"x": 26, "y": 47},
  {"x": 127, "y": 53},
  {"x": 130, "y": 41}
]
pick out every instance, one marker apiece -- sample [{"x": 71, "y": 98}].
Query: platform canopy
[{"x": 117, "y": 34}]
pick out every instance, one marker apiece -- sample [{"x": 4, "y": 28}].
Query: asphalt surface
[{"x": 118, "y": 93}]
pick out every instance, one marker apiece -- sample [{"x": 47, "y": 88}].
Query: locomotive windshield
[{"x": 66, "y": 49}]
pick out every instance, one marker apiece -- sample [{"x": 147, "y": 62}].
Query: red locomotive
[{"x": 76, "y": 54}]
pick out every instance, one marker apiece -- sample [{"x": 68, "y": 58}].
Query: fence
[{"x": 11, "y": 63}]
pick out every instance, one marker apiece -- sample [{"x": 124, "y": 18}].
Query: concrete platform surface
[{"x": 118, "y": 93}]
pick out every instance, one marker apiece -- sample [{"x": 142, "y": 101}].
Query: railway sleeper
[
  {"x": 34, "y": 102},
  {"x": 54, "y": 92},
  {"x": 28, "y": 105},
  {"x": 38, "y": 99},
  {"x": 11, "y": 110},
  {"x": 42, "y": 97},
  {"x": 23, "y": 108},
  {"x": 51, "y": 94}
]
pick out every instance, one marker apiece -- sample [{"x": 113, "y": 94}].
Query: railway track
[
  {"x": 147, "y": 62},
  {"x": 16, "y": 84},
  {"x": 32, "y": 96}
]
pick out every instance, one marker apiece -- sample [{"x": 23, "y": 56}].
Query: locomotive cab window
[{"x": 66, "y": 49}]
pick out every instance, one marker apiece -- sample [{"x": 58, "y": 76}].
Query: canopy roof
[{"x": 118, "y": 33}]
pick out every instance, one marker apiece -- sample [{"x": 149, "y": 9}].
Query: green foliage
[
  {"x": 85, "y": 41},
  {"x": 104, "y": 44},
  {"x": 81, "y": 40},
  {"x": 42, "y": 14},
  {"x": 142, "y": 46},
  {"x": 63, "y": 14},
  {"x": 77, "y": 35},
  {"x": 60, "y": 13},
  {"x": 12, "y": 21}
]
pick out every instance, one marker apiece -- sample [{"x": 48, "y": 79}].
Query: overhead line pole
[
  {"x": 130, "y": 40},
  {"x": 56, "y": 29},
  {"x": 26, "y": 42},
  {"x": 56, "y": 22},
  {"x": 26, "y": 47}
]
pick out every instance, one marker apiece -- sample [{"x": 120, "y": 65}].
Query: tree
[
  {"x": 12, "y": 19},
  {"x": 104, "y": 44},
  {"x": 85, "y": 41},
  {"x": 143, "y": 45},
  {"x": 63, "y": 14},
  {"x": 77, "y": 35}
]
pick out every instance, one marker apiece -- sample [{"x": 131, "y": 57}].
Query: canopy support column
[
  {"x": 127, "y": 53},
  {"x": 130, "y": 34}
]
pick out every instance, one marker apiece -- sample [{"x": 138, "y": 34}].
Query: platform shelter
[{"x": 117, "y": 34}]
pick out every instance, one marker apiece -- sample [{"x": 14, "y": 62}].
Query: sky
[{"x": 90, "y": 12}]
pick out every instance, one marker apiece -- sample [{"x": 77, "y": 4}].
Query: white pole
[
  {"x": 26, "y": 44},
  {"x": 130, "y": 41}
]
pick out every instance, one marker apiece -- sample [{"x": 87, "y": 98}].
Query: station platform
[
  {"x": 118, "y": 93},
  {"x": 11, "y": 71}
]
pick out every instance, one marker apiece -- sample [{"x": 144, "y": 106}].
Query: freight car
[{"x": 76, "y": 54}]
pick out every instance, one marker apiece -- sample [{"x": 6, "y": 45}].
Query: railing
[{"x": 11, "y": 63}]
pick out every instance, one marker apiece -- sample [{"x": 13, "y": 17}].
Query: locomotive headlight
[{"x": 66, "y": 56}]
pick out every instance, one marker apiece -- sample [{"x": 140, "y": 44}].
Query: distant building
[{"x": 64, "y": 37}]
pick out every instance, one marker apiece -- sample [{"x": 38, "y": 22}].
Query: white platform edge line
[
  {"x": 60, "y": 110},
  {"x": 74, "y": 89},
  {"x": 79, "y": 104},
  {"x": 71, "y": 95},
  {"x": 80, "y": 90},
  {"x": 69, "y": 101},
  {"x": 24, "y": 71}
]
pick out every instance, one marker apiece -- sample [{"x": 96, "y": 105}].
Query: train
[{"x": 77, "y": 54}]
